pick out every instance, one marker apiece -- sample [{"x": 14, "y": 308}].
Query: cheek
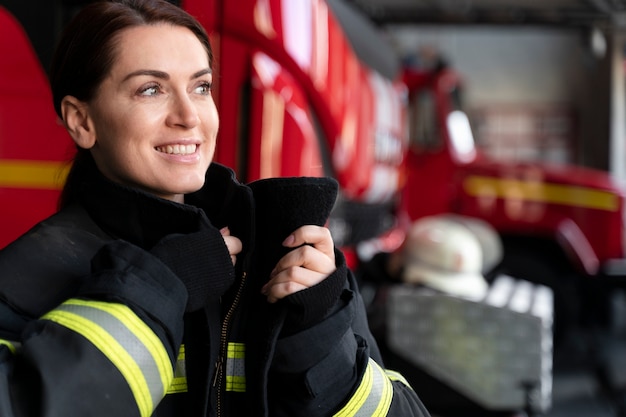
[
  {"x": 210, "y": 117},
  {"x": 119, "y": 138},
  {"x": 109, "y": 121},
  {"x": 131, "y": 127}
]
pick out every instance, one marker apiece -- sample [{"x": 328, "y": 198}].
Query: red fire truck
[
  {"x": 579, "y": 208},
  {"x": 560, "y": 225},
  {"x": 33, "y": 145}
]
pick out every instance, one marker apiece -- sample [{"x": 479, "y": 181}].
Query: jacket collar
[{"x": 143, "y": 219}]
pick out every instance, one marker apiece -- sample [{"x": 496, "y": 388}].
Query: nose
[{"x": 183, "y": 112}]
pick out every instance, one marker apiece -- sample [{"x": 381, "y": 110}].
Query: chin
[{"x": 191, "y": 187}]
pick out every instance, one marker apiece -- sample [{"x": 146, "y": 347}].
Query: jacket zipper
[{"x": 219, "y": 365}]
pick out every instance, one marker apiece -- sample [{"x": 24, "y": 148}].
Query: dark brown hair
[{"x": 86, "y": 53}]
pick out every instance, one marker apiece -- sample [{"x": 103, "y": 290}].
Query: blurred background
[{"x": 506, "y": 118}]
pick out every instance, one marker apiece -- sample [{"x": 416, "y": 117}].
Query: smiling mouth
[{"x": 177, "y": 149}]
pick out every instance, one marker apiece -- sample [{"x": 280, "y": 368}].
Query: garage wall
[{"x": 535, "y": 68}]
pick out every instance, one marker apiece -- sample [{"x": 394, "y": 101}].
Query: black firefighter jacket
[{"x": 93, "y": 324}]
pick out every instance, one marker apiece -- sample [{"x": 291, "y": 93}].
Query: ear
[{"x": 77, "y": 122}]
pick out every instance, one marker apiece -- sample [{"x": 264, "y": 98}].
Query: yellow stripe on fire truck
[
  {"x": 483, "y": 186},
  {"x": 128, "y": 343},
  {"x": 45, "y": 175}
]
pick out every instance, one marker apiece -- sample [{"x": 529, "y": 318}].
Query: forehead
[{"x": 159, "y": 46}]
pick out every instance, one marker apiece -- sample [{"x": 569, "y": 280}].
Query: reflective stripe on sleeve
[
  {"x": 397, "y": 376},
  {"x": 11, "y": 345},
  {"x": 235, "y": 367},
  {"x": 373, "y": 396},
  {"x": 179, "y": 383},
  {"x": 126, "y": 341}
]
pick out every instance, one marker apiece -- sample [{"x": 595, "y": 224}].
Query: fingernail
[
  {"x": 224, "y": 230},
  {"x": 289, "y": 241}
]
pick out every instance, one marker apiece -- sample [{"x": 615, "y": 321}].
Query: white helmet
[
  {"x": 490, "y": 242},
  {"x": 445, "y": 255}
]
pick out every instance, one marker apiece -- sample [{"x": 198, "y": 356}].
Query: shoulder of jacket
[{"x": 47, "y": 263}]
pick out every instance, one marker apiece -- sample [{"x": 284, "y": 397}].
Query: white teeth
[{"x": 177, "y": 149}]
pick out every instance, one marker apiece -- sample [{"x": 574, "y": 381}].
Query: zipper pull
[{"x": 218, "y": 370}]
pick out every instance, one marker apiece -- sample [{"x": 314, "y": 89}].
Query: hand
[
  {"x": 232, "y": 243},
  {"x": 310, "y": 262}
]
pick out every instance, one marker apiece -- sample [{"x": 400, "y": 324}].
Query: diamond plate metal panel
[{"x": 497, "y": 351}]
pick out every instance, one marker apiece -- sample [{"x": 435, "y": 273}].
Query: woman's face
[{"x": 153, "y": 116}]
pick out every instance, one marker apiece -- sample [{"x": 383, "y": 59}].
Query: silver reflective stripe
[
  {"x": 235, "y": 367},
  {"x": 373, "y": 396},
  {"x": 128, "y": 343}
]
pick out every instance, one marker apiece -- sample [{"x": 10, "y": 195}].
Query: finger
[
  {"x": 234, "y": 246},
  {"x": 290, "y": 281},
  {"x": 316, "y": 236},
  {"x": 280, "y": 291},
  {"x": 307, "y": 257}
]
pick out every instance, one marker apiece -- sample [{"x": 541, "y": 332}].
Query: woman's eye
[
  {"x": 204, "y": 88},
  {"x": 150, "y": 90}
]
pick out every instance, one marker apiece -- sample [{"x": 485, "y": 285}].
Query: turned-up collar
[{"x": 139, "y": 217}]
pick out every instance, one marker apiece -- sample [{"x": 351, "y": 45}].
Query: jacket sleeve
[
  {"x": 109, "y": 350},
  {"x": 335, "y": 368}
]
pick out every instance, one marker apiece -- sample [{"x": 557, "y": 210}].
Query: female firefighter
[{"x": 163, "y": 286}]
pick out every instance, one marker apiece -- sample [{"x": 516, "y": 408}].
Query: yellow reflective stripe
[
  {"x": 179, "y": 383},
  {"x": 373, "y": 396},
  {"x": 47, "y": 175},
  {"x": 131, "y": 331},
  {"x": 143, "y": 332},
  {"x": 359, "y": 397},
  {"x": 235, "y": 367},
  {"x": 236, "y": 351},
  {"x": 397, "y": 376},
  {"x": 8, "y": 344},
  {"x": 235, "y": 383},
  {"x": 481, "y": 186},
  {"x": 116, "y": 354}
]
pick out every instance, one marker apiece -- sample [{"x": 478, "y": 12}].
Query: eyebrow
[{"x": 165, "y": 75}]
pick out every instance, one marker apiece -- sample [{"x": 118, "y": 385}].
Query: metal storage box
[{"x": 496, "y": 351}]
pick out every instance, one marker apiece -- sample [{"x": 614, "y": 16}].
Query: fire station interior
[{"x": 542, "y": 81}]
